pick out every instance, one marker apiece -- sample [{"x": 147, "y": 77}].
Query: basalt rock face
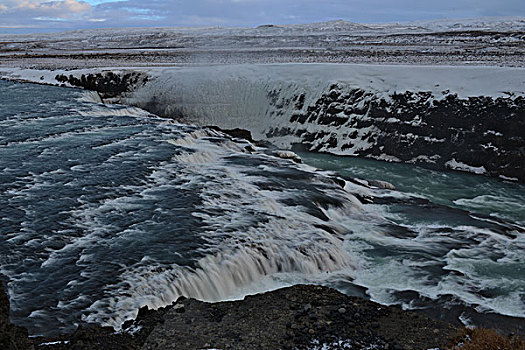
[
  {"x": 483, "y": 135},
  {"x": 436, "y": 129},
  {"x": 107, "y": 84}
]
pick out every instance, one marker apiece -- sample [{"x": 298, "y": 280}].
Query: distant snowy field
[{"x": 485, "y": 41}]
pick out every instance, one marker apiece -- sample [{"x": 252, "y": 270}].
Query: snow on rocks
[
  {"x": 414, "y": 114},
  {"x": 455, "y": 165}
]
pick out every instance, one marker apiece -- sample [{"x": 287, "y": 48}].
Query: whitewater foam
[{"x": 241, "y": 250}]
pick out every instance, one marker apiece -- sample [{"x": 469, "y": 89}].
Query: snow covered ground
[
  {"x": 486, "y": 41},
  {"x": 413, "y": 92}
]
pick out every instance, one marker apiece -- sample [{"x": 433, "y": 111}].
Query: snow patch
[
  {"x": 508, "y": 178},
  {"x": 54, "y": 343},
  {"x": 387, "y": 158},
  {"x": 424, "y": 158},
  {"x": 455, "y": 165},
  {"x": 288, "y": 155}
]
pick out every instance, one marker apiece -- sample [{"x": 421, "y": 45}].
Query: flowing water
[
  {"x": 457, "y": 236},
  {"x": 500, "y": 199},
  {"x": 106, "y": 209}
]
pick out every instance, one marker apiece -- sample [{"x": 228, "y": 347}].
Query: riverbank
[
  {"x": 464, "y": 119},
  {"x": 301, "y": 316}
]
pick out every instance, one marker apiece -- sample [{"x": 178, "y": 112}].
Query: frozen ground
[{"x": 492, "y": 41}]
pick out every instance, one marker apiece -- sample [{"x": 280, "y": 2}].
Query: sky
[{"x": 22, "y": 16}]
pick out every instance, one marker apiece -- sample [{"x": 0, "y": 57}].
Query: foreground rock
[
  {"x": 11, "y": 336},
  {"x": 295, "y": 317},
  {"x": 302, "y": 316}
]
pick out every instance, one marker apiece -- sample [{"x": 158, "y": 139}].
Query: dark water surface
[{"x": 106, "y": 208}]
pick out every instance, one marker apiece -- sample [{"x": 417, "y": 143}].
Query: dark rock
[
  {"x": 264, "y": 321},
  {"x": 236, "y": 133},
  {"x": 419, "y": 128},
  {"x": 107, "y": 84},
  {"x": 11, "y": 337}
]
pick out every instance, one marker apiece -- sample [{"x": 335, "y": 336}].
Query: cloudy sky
[{"x": 18, "y": 16}]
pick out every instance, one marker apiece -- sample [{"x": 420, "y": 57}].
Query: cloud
[
  {"x": 72, "y": 14},
  {"x": 61, "y": 9},
  {"x": 96, "y": 2},
  {"x": 71, "y": 6},
  {"x": 38, "y": 13}
]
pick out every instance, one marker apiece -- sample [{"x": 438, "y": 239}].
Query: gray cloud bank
[{"x": 49, "y": 15}]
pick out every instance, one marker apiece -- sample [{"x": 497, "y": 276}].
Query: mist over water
[{"x": 106, "y": 209}]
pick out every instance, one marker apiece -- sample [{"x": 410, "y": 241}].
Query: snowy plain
[{"x": 485, "y": 41}]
